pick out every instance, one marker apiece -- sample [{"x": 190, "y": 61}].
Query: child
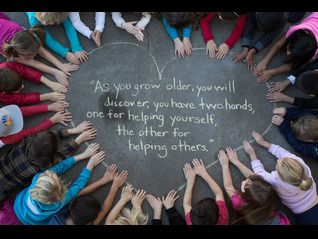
[
  {"x": 270, "y": 23},
  {"x": 11, "y": 116},
  {"x": 221, "y": 51},
  {"x": 12, "y": 75},
  {"x": 83, "y": 29},
  {"x": 257, "y": 202},
  {"x": 136, "y": 27},
  {"x": 174, "y": 216},
  {"x": 184, "y": 21},
  {"x": 292, "y": 180},
  {"x": 300, "y": 129},
  {"x": 36, "y": 153},
  {"x": 47, "y": 194},
  {"x": 306, "y": 82},
  {"x": 85, "y": 209},
  {"x": 124, "y": 216},
  {"x": 301, "y": 45},
  {"x": 208, "y": 211},
  {"x": 77, "y": 55},
  {"x": 17, "y": 44}
]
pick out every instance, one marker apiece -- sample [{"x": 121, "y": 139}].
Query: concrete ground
[{"x": 119, "y": 61}]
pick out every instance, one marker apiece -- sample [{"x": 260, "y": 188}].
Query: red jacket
[
  {"x": 235, "y": 35},
  {"x": 28, "y": 74}
]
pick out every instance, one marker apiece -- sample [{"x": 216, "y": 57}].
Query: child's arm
[
  {"x": 100, "y": 21},
  {"x": 118, "y": 19},
  {"x": 237, "y": 31},
  {"x": 26, "y": 72},
  {"x": 79, "y": 25},
  {"x": 186, "y": 32},
  {"x": 143, "y": 22},
  {"x": 126, "y": 196},
  {"x": 227, "y": 179},
  {"x": 235, "y": 160},
  {"x": 205, "y": 27},
  {"x": 172, "y": 32},
  {"x": 72, "y": 36},
  {"x": 306, "y": 103},
  {"x": 187, "y": 199},
  {"x": 201, "y": 171},
  {"x": 118, "y": 181}
]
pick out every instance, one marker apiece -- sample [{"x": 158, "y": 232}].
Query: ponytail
[
  {"x": 305, "y": 184},
  {"x": 9, "y": 50}
]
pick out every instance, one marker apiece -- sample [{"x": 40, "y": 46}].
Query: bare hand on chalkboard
[
  {"x": 211, "y": 48},
  {"x": 82, "y": 56},
  {"x": 156, "y": 205},
  {"x": 71, "y": 58},
  {"x": 187, "y": 46},
  {"x": 223, "y": 159},
  {"x": 170, "y": 199},
  {"x": 86, "y": 136},
  {"x": 132, "y": 29},
  {"x": 265, "y": 76},
  {"x": 240, "y": 56},
  {"x": 95, "y": 160},
  {"x": 232, "y": 155},
  {"x": 138, "y": 198},
  {"x": 179, "y": 48},
  {"x": 276, "y": 97},
  {"x": 61, "y": 77},
  {"x": 199, "y": 167},
  {"x": 126, "y": 194},
  {"x": 120, "y": 179},
  {"x": 61, "y": 118},
  {"x": 249, "y": 150},
  {"x": 58, "y": 106},
  {"x": 67, "y": 68},
  {"x": 109, "y": 174},
  {"x": 222, "y": 51},
  {"x": 279, "y": 86},
  {"x": 91, "y": 150},
  {"x": 189, "y": 173},
  {"x": 85, "y": 125},
  {"x": 260, "y": 68}
]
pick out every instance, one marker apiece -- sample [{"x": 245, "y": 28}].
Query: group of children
[{"x": 32, "y": 192}]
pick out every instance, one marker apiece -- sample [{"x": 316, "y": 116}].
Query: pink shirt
[
  {"x": 309, "y": 23},
  {"x": 223, "y": 214},
  {"x": 238, "y": 203},
  {"x": 293, "y": 197},
  {"x": 8, "y": 30}
]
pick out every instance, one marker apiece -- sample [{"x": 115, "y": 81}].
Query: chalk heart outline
[{"x": 160, "y": 73}]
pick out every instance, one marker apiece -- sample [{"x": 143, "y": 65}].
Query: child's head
[
  {"x": 131, "y": 217},
  {"x": 306, "y": 128},
  {"x": 180, "y": 19},
  {"x": 294, "y": 173},
  {"x": 49, "y": 188},
  {"x": 51, "y": 18},
  {"x": 301, "y": 47},
  {"x": 10, "y": 81},
  {"x": 24, "y": 44},
  {"x": 260, "y": 198},
  {"x": 84, "y": 210},
  {"x": 308, "y": 82},
  {"x": 205, "y": 212},
  {"x": 270, "y": 21},
  {"x": 42, "y": 148}
]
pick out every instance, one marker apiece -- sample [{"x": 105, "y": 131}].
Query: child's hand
[
  {"x": 85, "y": 125},
  {"x": 179, "y": 48},
  {"x": 222, "y": 51},
  {"x": 199, "y": 167},
  {"x": 187, "y": 46},
  {"x": 276, "y": 97},
  {"x": 71, "y": 58},
  {"x": 91, "y": 150},
  {"x": 130, "y": 28},
  {"x": 109, "y": 174},
  {"x": 277, "y": 120},
  {"x": 82, "y": 56},
  {"x": 120, "y": 179},
  {"x": 156, "y": 205},
  {"x": 260, "y": 68},
  {"x": 250, "y": 59},
  {"x": 96, "y": 35},
  {"x": 138, "y": 198},
  {"x": 61, "y": 118},
  {"x": 127, "y": 193},
  {"x": 58, "y": 87},
  {"x": 58, "y": 106},
  {"x": 55, "y": 96},
  {"x": 223, "y": 159},
  {"x": 231, "y": 153},
  {"x": 86, "y": 136},
  {"x": 67, "y": 68},
  {"x": 61, "y": 77},
  {"x": 211, "y": 48},
  {"x": 265, "y": 76},
  {"x": 280, "y": 111},
  {"x": 189, "y": 173},
  {"x": 279, "y": 86},
  {"x": 170, "y": 199},
  {"x": 240, "y": 56},
  {"x": 249, "y": 149},
  {"x": 95, "y": 160}
]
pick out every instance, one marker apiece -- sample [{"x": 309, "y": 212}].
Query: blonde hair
[
  {"x": 306, "y": 128},
  {"x": 26, "y": 42},
  {"x": 294, "y": 173},
  {"x": 51, "y": 18},
  {"x": 49, "y": 188},
  {"x": 131, "y": 217}
]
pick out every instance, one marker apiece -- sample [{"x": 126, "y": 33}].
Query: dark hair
[
  {"x": 43, "y": 148},
  {"x": 270, "y": 21},
  {"x": 308, "y": 82},
  {"x": 302, "y": 45},
  {"x": 182, "y": 19},
  {"x": 205, "y": 212},
  {"x": 230, "y": 15},
  {"x": 84, "y": 210},
  {"x": 9, "y": 80},
  {"x": 260, "y": 201}
]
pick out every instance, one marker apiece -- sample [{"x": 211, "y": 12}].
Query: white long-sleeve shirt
[
  {"x": 293, "y": 197},
  {"x": 141, "y": 24},
  {"x": 84, "y": 29}
]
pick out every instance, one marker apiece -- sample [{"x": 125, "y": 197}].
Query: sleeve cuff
[{"x": 292, "y": 79}]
